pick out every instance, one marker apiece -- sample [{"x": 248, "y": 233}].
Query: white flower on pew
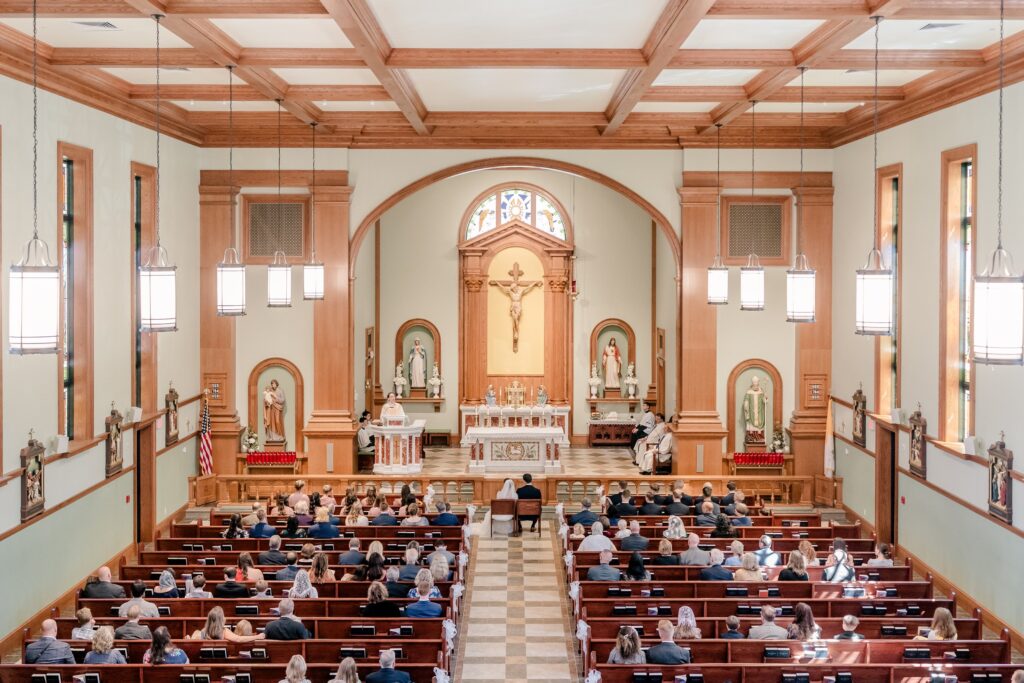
[
  {"x": 582, "y": 630},
  {"x": 599, "y": 491},
  {"x": 563, "y": 532},
  {"x": 441, "y": 676},
  {"x": 470, "y": 513},
  {"x": 593, "y": 677},
  {"x": 463, "y": 559},
  {"x": 574, "y": 593},
  {"x": 467, "y": 536},
  {"x": 568, "y": 559},
  {"x": 560, "y": 511},
  {"x": 450, "y": 631},
  {"x": 457, "y": 590}
]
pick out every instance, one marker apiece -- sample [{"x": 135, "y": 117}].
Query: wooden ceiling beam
[
  {"x": 360, "y": 26},
  {"x": 320, "y": 58},
  {"x": 737, "y": 93},
  {"x": 676, "y": 23},
  {"x": 448, "y": 58}
]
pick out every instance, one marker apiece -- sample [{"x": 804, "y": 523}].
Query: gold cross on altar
[{"x": 515, "y": 289}]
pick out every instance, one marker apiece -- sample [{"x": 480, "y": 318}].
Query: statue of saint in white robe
[
  {"x": 418, "y": 366},
  {"x": 611, "y": 361}
]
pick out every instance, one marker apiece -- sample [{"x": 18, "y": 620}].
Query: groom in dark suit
[{"x": 528, "y": 492}]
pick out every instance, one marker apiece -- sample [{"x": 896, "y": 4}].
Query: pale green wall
[
  {"x": 173, "y": 469},
  {"x": 858, "y": 472}
]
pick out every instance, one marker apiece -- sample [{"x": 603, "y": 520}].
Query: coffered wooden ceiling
[{"x": 528, "y": 73}]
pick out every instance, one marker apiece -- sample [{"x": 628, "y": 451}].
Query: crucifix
[{"x": 515, "y": 289}]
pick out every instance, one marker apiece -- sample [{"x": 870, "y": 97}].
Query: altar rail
[{"x": 481, "y": 489}]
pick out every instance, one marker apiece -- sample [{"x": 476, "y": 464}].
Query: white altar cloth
[
  {"x": 482, "y": 415},
  {"x": 514, "y": 449}
]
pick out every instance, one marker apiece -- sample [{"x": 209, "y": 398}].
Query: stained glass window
[{"x": 519, "y": 205}]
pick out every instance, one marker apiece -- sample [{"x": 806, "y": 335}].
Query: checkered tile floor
[{"x": 609, "y": 462}]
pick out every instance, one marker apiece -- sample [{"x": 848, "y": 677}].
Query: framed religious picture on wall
[
  {"x": 171, "y": 417},
  {"x": 115, "y": 456},
  {"x": 918, "y": 444},
  {"x": 1000, "y": 481},
  {"x": 33, "y": 492},
  {"x": 860, "y": 413}
]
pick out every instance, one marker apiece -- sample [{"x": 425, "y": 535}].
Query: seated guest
[
  {"x": 280, "y": 507},
  {"x": 626, "y": 507},
  {"x": 806, "y": 549},
  {"x": 676, "y": 506},
  {"x": 529, "y": 492},
  {"x": 413, "y": 517},
  {"x": 676, "y": 530},
  {"x": 103, "y": 651},
  {"x": 686, "y": 625},
  {"x": 290, "y": 569},
  {"x": 635, "y": 540},
  {"x": 378, "y": 604},
  {"x": 327, "y": 499},
  {"x": 353, "y": 554},
  {"x": 706, "y": 492},
  {"x": 441, "y": 550},
  {"x": 299, "y": 495},
  {"x": 802, "y": 627},
  {"x": 707, "y": 516},
  {"x": 850, "y": 624},
  {"x": 321, "y": 571},
  {"x": 665, "y": 554},
  {"x": 693, "y": 555},
  {"x": 748, "y": 571},
  {"x": 166, "y": 586},
  {"x": 273, "y": 554},
  {"x": 216, "y": 629},
  {"x": 396, "y": 589},
  {"x": 742, "y": 518},
  {"x": 423, "y": 608},
  {"x": 262, "y": 529},
  {"x": 840, "y": 567},
  {"x": 247, "y": 570},
  {"x": 424, "y": 586},
  {"x": 230, "y": 587},
  {"x": 768, "y": 629},
  {"x": 411, "y": 568},
  {"x": 103, "y": 587},
  {"x": 577, "y": 532},
  {"x": 364, "y": 439},
  {"x": 445, "y": 517},
  {"x": 766, "y": 557},
  {"x": 302, "y": 587},
  {"x": 295, "y": 672},
  {"x": 730, "y": 496},
  {"x": 635, "y": 570},
  {"x": 86, "y": 628},
  {"x": 942, "y": 626},
  {"x": 347, "y": 672},
  {"x": 302, "y": 513},
  {"x": 146, "y": 608},
  {"x": 883, "y": 556},
  {"x": 585, "y": 516},
  {"x": 621, "y": 529},
  {"x": 162, "y": 650},
  {"x": 288, "y": 626},
  {"x": 723, "y": 529},
  {"x": 132, "y": 629},
  {"x": 387, "y": 672},
  {"x": 650, "y": 507},
  {"x": 716, "y": 572},
  {"x": 263, "y": 591},
  {"x": 253, "y": 517},
  {"x": 234, "y": 528},
  {"x": 659, "y": 497},
  {"x": 679, "y": 490},
  {"x": 439, "y": 568},
  {"x": 796, "y": 569},
  {"x": 667, "y": 652},
  {"x": 384, "y": 518},
  {"x": 603, "y": 571},
  {"x": 323, "y": 528},
  {"x": 732, "y": 628},
  {"x": 620, "y": 495},
  {"x": 735, "y": 555},
  {"x": 596, "y": 540},
  {"x": 292, "y": 529},
  {"x": 47, "y": 649},
  {"x": 627, "y": 648}
]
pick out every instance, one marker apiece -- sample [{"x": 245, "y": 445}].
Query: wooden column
[
  {"x": 473, "y": 319},
  {"x": 814, "y": 340},
  {"x": 330, "y": 426},
  {"x": 700, "y": 430},
  {"x": 216, "y": 333}
]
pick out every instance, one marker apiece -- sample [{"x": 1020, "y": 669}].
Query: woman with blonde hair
[
  {"x": 376, "y": 548},
  {"x": 216, "y": 629},
  {"x": 622, "y": 529},
  {"x": 578, "y": 533},
  {"x": 247, "y": 570},
  {"x": 302, "y": 587},
  {"x": 102, "y": 648},
  {"x": 806, "y": 549},
  {"x": 320, "y": 572},
  {"x": 675, "y": 529},
  {"x": 413, "y": 517},
  {"x": 439, "y": 568},
  {"x": 347, "y": 672},
  {"x": 796, "y": 570},
  {"x": 686, "y": 625},
  {"x": 296, "y": 670},
  {"x": 424, "y": 586},
  {"x": 735, "y": 558},
  {"x": 942, "y": 626},
  {"x": 749, "y": 569},
  {"x": 665, "y": 554},
  {"x": 352, "y": 519},
  {"x": 627, "y": 648},
  {"x": 243, "y": 628}
]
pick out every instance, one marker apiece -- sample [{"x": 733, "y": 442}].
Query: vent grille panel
[
  {"x": 276, "y": 227},
  {"x": 756, "y": 227}
]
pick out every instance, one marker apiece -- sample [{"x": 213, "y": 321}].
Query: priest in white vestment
[
  {"x": 392, "y": 408},
  {"x": 643, "y": 428},
  {"x": 652, "y": 437},
  {"x": 662, "y": 450}
]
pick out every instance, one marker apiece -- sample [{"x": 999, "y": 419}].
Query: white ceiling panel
[
  {"x": 285, "y": 33},
  {"x": 383, "y": 105},
  {"x": 520, "y": 24},
  {"x": 899, "y": 34},
  {"x": 754, "y": 34},
  {"x": 676, "y": 107},
  {"x": 705, "y": 76},
  {"x": 328, "y": 76},
  {"x": 886, "y": 77},
  {"x": 516, "y": 89},
  {"x": 207, "y": 105},
  {"x": 147, "y": 76},
  {"x": 809, "y": 107},
  {"x": 72, "y": 33}
]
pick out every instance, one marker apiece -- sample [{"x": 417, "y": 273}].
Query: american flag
[{"x": 205, "y": 444}]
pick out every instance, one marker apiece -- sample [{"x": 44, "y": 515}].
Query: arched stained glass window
[{"x": 516, "y": 204}]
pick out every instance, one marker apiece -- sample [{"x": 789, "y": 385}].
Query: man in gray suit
[
  {"x": 693, "y": 555},
  {"x": 49, "y": 650},
  {"x": 352, "y": 555},
  {"x": 132, "y": 629},
  {"x": 603, "y": 571},
  {"x": 635, "y": 541},
  {"x": 667, "y": 652},
  {"x": 768, "y": 630}
]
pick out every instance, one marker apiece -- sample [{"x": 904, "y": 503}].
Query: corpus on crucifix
[{"x": 515, "y": 289}]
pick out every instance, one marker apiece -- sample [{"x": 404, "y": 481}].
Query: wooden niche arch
[
  {"x": 300, "y": 402},
  {"x": 434, "y": 333},
  {"x": 630, "y": 341},
  {"x": 776, "y": 377}
]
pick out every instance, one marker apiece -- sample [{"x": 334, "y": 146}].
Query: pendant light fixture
[
  {"x": 34, "y": 281},
  {"x": 800, "y": 278},
  {"x": 718, "y": 273},
  {"x": 157, "y": 276},
  {"x": 874, "y": 306},
  {"x": 998, "y": 292},
  {"x": 313, "y": 272},
  {"x": 279, "y": 273},
  {"x": 231, "y": 271},
  {"x": 752, "y": 274}
]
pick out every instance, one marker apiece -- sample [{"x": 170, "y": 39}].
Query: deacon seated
[
  {"x": 707, "y": 516},
  {"x": 273, "y": 554},
  {"x": 716, "y": 572},
  {"x": 364, "y": 439},
  {"x": 643, "y": 427},
  {"x": 261, "y": 529},
  {"x": 596, "y": 540},
  {"x": 604, "y": 571},
  {"x": 47, "y": 649},
  {"x": 651, "y": 438},
  {"x": 132, "y": 629},
  {"x": 585, "y": 516},
  {"x": 444, "y": 515},
  {"x": 658, "y": 453},
  {"x": 387, "y": 673},
  {"x": 635, "y": 540},
  {"x": 289, "y": 626},
  {"x": 102, "y": 587},
  {"x": 146, "y": 608},
  {"x": 667, "y": 652}
]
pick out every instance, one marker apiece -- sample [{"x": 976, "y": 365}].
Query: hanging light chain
[
  {"x": 753, "y": 149},
  {"x": 999, "y": 180},
  {"x": 874, "y": 173},
  {"x": 312, "y": 205},
  {"x": 718, "y": 188},
  {"x": 157, "y": 18},
  {"x": 35, "y": 122},
  {"x": 231, "y": 147},
  {"x": 280, "y": 209},
  {"x": 800, "y": 182}
]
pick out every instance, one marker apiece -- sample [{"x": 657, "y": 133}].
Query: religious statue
[
  {"x": 273, "y": 413},
  {"x": 542, "y": 396},
  {"x": 171, "y": 416},
  {"x": 435, "y": 381},
  {"x": 399, "y": 380},
  {"x": 1000, "y": 483},
  {"x": 115, "y": 459},
  {"x": 611, "y": 361},
  {"x": 594, "y": 381},
  {"x": 631, "y": 381},
  {"x": 490, "y": 398},
  {"x": 515, "y": 289},
  {"x": 417, "y": 366},
  {"x": 860, "y": 409},
  {"x": 755, "y": 404},
  {"x": 918, "y": 445},
  {"x": 32, "y": 487}
]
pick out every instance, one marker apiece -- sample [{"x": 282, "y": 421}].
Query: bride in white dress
[{"x": 502, "y": 523}]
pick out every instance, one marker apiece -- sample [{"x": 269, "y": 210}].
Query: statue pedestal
[
  {"x": 417, "y": 393},
  {"x": 612, "y": 393},
  {"x": 275, "y": 446}
]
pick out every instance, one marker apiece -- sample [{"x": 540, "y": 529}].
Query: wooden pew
[
  {"x": 669, "y": 573},
  {"x": 858, "y": 547},
  {"x": 140, "y": 673},
  {"x": 193, "y": 530},
  {"x": 331, "y": 589},
  {"x": 200, "y": 607},
  {"x": 256, "y": 545},
  {"x": 773, "y": 673},
  {"x": 723, "y": 607},
  {"x": 798, "y": 590}
]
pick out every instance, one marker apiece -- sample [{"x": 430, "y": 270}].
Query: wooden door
[
  {"x": 885, "y": 483},
  {"x": 145, "y": 484}
]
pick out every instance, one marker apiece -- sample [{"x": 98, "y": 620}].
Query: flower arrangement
[
  {"x": 778, "y": 440},
  {"x": 250, "y": 440}
]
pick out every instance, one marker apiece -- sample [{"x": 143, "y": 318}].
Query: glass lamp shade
[
  {"x": 718, "y": 282},
  {"x": 313, "y": 280},
  {"x": 752, "y": 285},
  {"x": 999, "y": 313},
  {"x": 34, "y": 311},
  {"x": 230, "y": 285},
  {"x": 800, "y": 291},
  {"x": 874, "y": 306},
  {"x": 279, "y": 282},
  {"x": 157, "y": 302}
]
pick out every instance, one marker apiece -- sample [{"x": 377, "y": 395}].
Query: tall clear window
[{"x": 68, "y": 302}]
